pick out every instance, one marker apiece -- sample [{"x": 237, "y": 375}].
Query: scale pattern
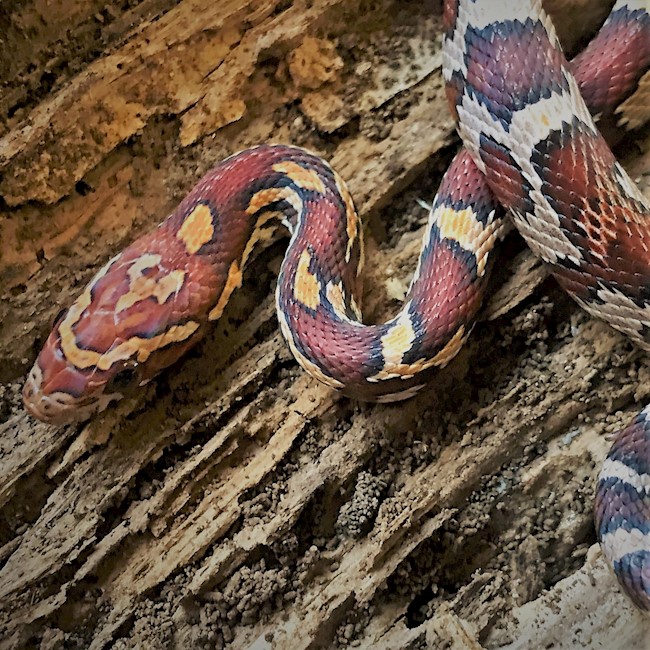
[
  {"x": 523, "y": 120},
  {"x": 531, "y": 147}
]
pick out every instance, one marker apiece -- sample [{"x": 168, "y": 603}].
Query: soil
[{"x": 236, "y": 502}]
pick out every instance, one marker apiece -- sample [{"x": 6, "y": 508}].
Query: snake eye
[{"x": 125, "y": 378}]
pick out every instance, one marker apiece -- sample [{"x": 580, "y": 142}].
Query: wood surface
[{"x": 236, "y": 502}]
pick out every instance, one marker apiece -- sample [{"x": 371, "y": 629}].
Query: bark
[{"x": 236, "y": 501}]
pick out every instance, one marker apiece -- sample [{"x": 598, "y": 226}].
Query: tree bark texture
[{"x": 237, "y": 502}]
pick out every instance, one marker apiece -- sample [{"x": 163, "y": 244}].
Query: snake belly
[
  {"x": 153, "y": 301},
  {"x": 527, "y": 128}
]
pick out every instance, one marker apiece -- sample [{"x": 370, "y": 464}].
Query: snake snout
[
  {"x": 52, "y": 408},
  {"x": 42, "y": 406},
  {"x": 38, "y": 405}
]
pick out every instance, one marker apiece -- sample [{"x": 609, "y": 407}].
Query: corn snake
[{"x": 148, "y": 305}]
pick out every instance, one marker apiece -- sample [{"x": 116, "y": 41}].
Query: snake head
[
  {"x": 126, "y": 326},
  {"x": 59, "y": 391}
]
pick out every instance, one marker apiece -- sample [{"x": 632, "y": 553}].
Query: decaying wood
[
  {"x": 574, "y": 614},
  {"x": 237, "y": 502}
]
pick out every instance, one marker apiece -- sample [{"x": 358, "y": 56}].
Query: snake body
[
  {"x": 530, "y": 147},
  {"x": 545, "y": 161}
]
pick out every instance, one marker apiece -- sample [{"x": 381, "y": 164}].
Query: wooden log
[{"x": 237, "y": 502}]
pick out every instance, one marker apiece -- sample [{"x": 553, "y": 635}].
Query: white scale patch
[
  {"x": 629, "y": 186},
  {"x": 453, "y": 51},
  {"x": 483, "y": 13},
  {"x": 543, "y": 234},
  {"x": 632, "y": 5},
  {"x": 534, "y": 123},
  {"x": 476, "y": 120},
  {"x": 621, "y": 313},
  {"x": 622, "y": 542},
  {"x": 618, "y": 470}
]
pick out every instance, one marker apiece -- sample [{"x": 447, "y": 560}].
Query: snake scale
[{"x": 531, "y": 147}]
